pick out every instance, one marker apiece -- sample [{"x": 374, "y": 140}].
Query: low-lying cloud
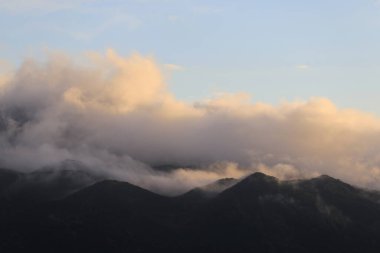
[{"x": 117, "y": 116}]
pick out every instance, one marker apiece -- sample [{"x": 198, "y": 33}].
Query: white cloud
[
  {"x": 173, "y": 67},
  {"x": 115, "y": 115}
]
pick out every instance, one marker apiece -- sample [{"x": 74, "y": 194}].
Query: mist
[{"x": 117, "y": 117}]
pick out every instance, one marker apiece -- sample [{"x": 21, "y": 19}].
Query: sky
[
  {"x": 212, "y": 88},
  {"x": 275, "y": 50}
]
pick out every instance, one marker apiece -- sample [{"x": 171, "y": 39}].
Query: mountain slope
[
  {"x": 44, "y": 184},
  {"x": 264, "y": 214},
  {"x": 257, "y": 214},
  {"x": 7, "y": 178}
]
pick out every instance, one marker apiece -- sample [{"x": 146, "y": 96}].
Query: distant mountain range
[{"x": 72, "y": 211}]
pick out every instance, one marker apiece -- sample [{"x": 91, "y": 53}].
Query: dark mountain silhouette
[
  {"x": 7, "y": 178},
  {"x": 42, "y": 185},
  {"x": 210, "y": 190},
  {"x": 256, "y": 214}
]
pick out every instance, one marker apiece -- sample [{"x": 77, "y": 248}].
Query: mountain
[
  {"x": 263, "y": 214},
  {"x": 44, "y": 184},
  {"x": 210, "y": 190},
  {"x": 256, "y": 214},
  {"x": 7, "y": 178}
]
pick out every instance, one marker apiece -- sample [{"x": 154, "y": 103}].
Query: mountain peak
[
  {"x": 255, "y": 183},
  {"x": 259, "y": 176},
  {"x": 113, "y": 191},
  {"x": 326, "y": 177}
]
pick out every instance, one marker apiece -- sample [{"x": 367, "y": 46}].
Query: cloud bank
[{"x": 116, "y": 116}]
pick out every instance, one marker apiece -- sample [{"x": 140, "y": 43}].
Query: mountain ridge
[{"x": 258, "y": 213}]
